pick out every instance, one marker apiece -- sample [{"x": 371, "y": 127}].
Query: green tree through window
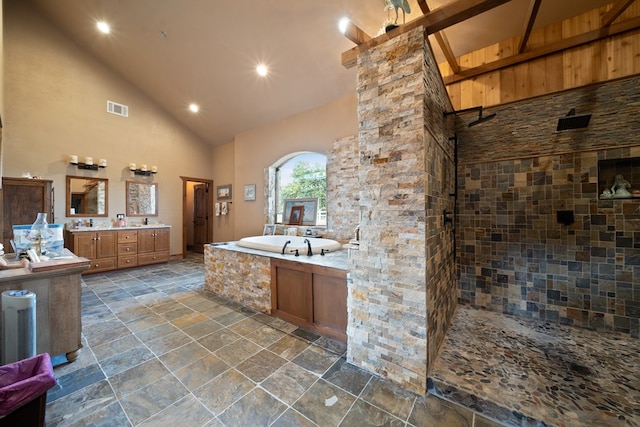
[{"x": 304, "y": 176}]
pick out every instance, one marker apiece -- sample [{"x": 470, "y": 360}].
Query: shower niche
[{"x": 619, "y": 179}]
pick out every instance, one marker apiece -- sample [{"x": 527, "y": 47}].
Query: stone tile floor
[
  {"x": 160, "y": 351},
  {"x": 530, "y": 372}
]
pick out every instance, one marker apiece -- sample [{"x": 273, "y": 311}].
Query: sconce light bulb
[{"x": 132, "y": 166}]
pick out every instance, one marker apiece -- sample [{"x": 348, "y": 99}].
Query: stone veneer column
[
  {"x": 387, "y": 290},
  {"x": 402, "y": 284}
]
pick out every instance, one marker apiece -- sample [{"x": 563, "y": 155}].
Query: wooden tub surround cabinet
[
  {"x": 115, "y": 249},
  {"x": 307, "y": 291},
  {"x": 310, "y": 296}
]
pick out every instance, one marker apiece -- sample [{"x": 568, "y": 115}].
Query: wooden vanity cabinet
[
  {"x": 100, "y": 247},
  {"x": 153, "y": 246},
  {"x": 117, "y": 249},
  {"x": 310, "y": 296}
]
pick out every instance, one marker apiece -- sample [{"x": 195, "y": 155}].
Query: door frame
[{"x": 186, "y": 221}]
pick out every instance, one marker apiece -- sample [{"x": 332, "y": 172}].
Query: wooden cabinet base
[
  {"x": 58, "y": 306},
  {"x": 119, "y": 249},
  {"x": 310, "y": 296}
]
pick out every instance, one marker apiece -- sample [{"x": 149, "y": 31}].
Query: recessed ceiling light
[
  {"x": 262, "y": 70},
  {"x": 103, "y": 27},
  {"x": 194, "y": 108},
  {"x": 342, "y": 24}
]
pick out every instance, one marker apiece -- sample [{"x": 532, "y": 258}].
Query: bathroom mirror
[
  {"x": 87, "y": 196},
  {"x": 142, "y": 198}
]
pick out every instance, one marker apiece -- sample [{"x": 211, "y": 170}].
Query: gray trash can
[{"x": 18, "y": 325}]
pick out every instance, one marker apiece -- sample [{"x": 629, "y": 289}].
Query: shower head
[
  {"x": 571, "y": 121},
  {"x": 482, "y": 119}
]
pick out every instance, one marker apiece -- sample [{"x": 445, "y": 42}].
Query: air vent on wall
[{"x": 119, "y": 109}]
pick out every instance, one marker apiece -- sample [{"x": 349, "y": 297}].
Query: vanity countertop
[{"x": 109, "y": 228}]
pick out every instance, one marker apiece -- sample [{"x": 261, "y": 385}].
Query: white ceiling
[{"x": 212, "y": 48}]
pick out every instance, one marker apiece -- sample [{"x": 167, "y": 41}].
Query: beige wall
[
  {"x": 314, "y": 131},
  {"x": 1, "y": 85},
  {"x": 57, "y": 96}
]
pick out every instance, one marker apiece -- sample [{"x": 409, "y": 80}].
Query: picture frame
[
  {"x": 223, "y": 192},
  {"x": 296, "y": 215},
  {"x": 250, "y": 192},
  {"x": 269, "y": 230},
  {"x": 310, "y": 210}
]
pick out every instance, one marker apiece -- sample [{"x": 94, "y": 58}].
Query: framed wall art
[
  {"x": 223, "y": 192},
  {"x": 250, "y": 192},
  {"x": 296, "y": 215},
  {"x": 309, "y": 213}
]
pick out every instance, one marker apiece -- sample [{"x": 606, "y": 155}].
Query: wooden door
[
  {"x": 22, "y": 199},
  {"x": 200, "y": 216}
]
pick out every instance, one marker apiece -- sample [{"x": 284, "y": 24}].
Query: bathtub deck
[{"x": 526, "y": 372}]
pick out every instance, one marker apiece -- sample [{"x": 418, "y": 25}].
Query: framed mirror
[
  {"x": 142, "y": 198},
  {"x": 87, "y": 196}
]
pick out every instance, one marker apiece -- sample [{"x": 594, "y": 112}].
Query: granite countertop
[
  {"x": 337, "y": 259},
  {"x": 109, "y": 227}
]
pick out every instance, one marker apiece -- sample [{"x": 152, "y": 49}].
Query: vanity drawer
[
  {"x": 153, "y": 258},
  {"x": 102, "y": 264},
  {"x": 127, "y": 236},
  {"x": 130, "y": 248},
  {"x": 127, "y": 261}
]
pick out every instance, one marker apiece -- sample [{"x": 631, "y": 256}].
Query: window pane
[{"x": 303, "y": 176}]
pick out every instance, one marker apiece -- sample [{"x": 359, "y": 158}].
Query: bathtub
[{"x": 275, "y": 244}]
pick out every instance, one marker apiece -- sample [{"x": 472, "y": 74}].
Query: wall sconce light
[
  {"x": 143, "y": 169},
  {"x": 88, "y": 163}
]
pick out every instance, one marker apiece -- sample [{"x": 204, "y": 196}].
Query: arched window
[{"x": 301, "y": 176}]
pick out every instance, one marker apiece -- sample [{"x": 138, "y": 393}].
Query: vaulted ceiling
[{"x": 206, "y": 51}]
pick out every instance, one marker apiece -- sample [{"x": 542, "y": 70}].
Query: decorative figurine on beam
[{"x": 390, "y": 23}]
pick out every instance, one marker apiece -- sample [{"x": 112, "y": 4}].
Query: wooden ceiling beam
[
  {"x": 612, "y": 14},
  {"x": 434, "y": 21},
  {"x": 442, "y": 40},
  {"x": 355, "y": 34},
  {"x": 534, "y": 6},
  {"x": 559, "y": 46}
]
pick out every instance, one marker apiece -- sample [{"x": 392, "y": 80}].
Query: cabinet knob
[
  {"x": 126, "y": 237},
  {"x": 98, "y": 238},
  {"x": 128, "y": 261},
  {"x": 128, "y": 249},
  {"x": 96, "y": 265}
]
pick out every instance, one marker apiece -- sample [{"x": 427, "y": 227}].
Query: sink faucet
[
  {"x": 285, "y": 246},
  {"x": 309, "y": 252}
]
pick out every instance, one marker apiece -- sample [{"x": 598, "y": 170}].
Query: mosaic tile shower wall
[
  {"x": 514, "y": 255},
  {"x": 404, "y": 166}
]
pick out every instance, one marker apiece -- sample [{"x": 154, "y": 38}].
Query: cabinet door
[
  {"x": 162, "y": 239},
  {"x": 330, "y": 300},
  {"x": 106, "y": 244},
  {"x": 291, "y": 293},
  {"x": 84, "y": 245},
  {"x": 146, "y": 241}
]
